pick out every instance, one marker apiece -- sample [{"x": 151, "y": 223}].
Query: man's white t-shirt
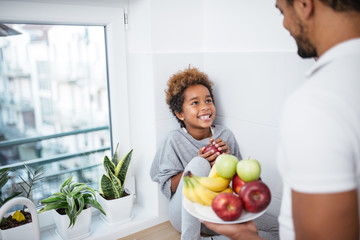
[{"x": 319, "y": 149}]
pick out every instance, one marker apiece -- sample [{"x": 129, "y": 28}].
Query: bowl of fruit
[{"x": 233, "y": 192}]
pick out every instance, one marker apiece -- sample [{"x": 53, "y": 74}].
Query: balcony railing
[
  {"x": 39, "y": 138},
  {"x": 83, "y": 164}
]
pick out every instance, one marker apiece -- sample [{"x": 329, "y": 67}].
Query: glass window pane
[{"x": 54, "y": 102}]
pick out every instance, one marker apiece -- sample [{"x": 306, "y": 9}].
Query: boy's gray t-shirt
[{"x": 179, "y": 148}]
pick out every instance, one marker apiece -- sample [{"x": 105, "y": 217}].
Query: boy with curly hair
[{"x": 190, "y": 99}]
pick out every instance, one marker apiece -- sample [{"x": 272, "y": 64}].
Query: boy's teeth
[{"x": 205, "y": 117}]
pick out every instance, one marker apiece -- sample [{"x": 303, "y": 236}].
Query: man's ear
[
  {"x": 304, "y": 8},
  {"x": 179, "y": 116}
]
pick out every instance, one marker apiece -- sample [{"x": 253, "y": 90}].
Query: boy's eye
[
  {"x": 195, "y": 103},
  {"x": 209, "y": 101}
]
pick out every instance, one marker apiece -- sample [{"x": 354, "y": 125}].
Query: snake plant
[
  {"x": 73, "y": 197},
  {"x": 112, "y": 183}
]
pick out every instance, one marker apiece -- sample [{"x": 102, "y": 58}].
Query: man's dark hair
[{"x": 338, "y": 5}]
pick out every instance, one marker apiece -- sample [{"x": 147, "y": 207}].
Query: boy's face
[{"x": 198, "y": 109}]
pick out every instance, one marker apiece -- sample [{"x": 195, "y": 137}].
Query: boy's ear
[{"x": 179, "y": 116}]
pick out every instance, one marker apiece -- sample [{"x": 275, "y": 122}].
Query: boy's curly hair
[{"x": 181, "y": 81}]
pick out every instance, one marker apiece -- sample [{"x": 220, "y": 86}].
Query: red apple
[
  {"x": 227, "y": 206},
  {"x": 237, "y": 184},
  {"x": 255, "y": 196},
  {"x": 211, "y": 147}
]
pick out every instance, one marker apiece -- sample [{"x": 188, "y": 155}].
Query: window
[
  {"x": 53, "y": 79},
  {"x": 64, "y": 93}
]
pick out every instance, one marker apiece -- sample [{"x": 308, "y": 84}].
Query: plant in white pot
[
  {"x": 72, "y": 209},
  {"x": 116, "y": 200},
  {"x": 26, "y": 220}
]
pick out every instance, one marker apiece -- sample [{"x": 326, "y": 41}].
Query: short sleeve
[{"x": 316, "y": 145}]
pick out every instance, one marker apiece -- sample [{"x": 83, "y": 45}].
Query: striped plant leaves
[{"x": 112, "y": 184}]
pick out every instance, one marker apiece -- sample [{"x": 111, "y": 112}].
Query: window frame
[
  {"x": 112, "y": 18},
  {"x": 80, "y": 13}
]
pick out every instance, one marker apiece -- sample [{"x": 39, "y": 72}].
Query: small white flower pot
[
  {"x": 17, "y": 233},
  {"x": 32, "y": 230},
  {"x": 80, "y": 230},
  {"x": 118, "y": 211}
]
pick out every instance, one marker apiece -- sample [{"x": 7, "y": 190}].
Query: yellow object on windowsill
[{"x": 18, "y": 216}]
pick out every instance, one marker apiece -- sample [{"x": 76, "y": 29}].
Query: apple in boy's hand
[
  {"x": 248, "y": 169},
  {"x": 227, "y": 206},
  {"x": 255, "y": 196},
  {"x": 212, "y": 147},
  {"x": 225, "y": 165},
  {"x": 237, "y": 184}
]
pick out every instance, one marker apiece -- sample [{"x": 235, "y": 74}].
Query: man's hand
[{"x": 240, "y": 231}]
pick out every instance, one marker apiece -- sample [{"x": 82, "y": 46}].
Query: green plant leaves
[
  {"x": 33, "y": 178},
  {"x": 122, "y": 168},
  {"x": 108, "y": 165},
  {"x": 112, "y": 184},
  {"x": 73, "y": 197},
  {"x": 4, "y": 178},
  {"x": 115, "y": 159}
]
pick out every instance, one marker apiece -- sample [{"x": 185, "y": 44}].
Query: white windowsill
[{"x": 100, "y": 230}]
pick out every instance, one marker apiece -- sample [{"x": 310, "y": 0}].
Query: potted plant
[
  {"x": 116, "y": 200},
  {"x": 72, "y": 205},
  {"x": 25, "y": 220}
]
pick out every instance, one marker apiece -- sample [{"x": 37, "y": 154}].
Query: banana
[
  {"x": 206, "y": 195},
  {"x": 193, "y": 192},
  {"x": 227, "y": 190},
  {"x": 198, "y": 189},
  {"x": 216, "y": 184},
  {"x": 187, "y": 191},
  {"x": 213, "y": 172}
]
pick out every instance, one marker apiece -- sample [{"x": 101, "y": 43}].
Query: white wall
[{"x": 243, "y": 48}]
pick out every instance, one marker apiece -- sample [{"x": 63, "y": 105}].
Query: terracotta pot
[
  {"x": 80, "y": 230},
  {"x": 118, "y": 211},
  {"x": 32, "y": 230}
]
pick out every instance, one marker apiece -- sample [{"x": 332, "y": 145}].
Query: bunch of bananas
[{"x": 203, "y": 190}]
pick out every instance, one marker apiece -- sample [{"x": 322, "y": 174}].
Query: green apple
[
  {"x": 225, "y": 165},
  {"x": 248, "y": 169}
]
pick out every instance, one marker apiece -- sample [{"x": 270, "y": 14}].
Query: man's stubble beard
[{"x": 305, "y": 48}]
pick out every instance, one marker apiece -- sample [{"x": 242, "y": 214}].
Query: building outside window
[{"x": 54, "y": 110}]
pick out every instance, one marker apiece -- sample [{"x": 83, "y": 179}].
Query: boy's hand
[
  {"x": 221, "y": 145},
  {"x": 211, "y": 156}
]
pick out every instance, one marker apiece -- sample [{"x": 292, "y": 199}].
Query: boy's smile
[{"x": 205, "y": 117}]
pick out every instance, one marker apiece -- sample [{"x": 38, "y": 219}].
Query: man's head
[
  {"x": 298, "y": 12},
  {"x": 338, "y": 5}
]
